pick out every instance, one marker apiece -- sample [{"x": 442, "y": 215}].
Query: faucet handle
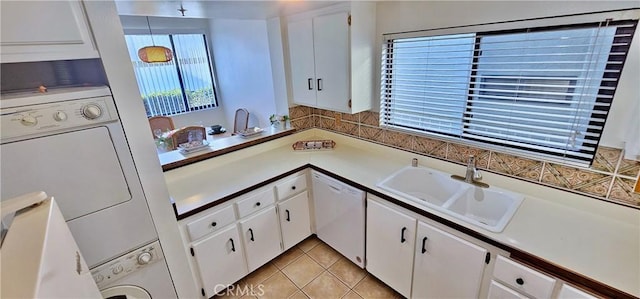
[{"x": 477, "y": 175}]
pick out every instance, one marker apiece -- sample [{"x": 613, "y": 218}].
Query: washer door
[{"x": 125, "y": 292}]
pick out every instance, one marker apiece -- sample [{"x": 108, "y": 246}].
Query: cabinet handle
[
  {"x": 257, "y": 204},
  {"x": 520, "y": 281},
  {"x": 251, "y": 232},
  {"x": 402, "y": 239},
  {"x": 310, "y": 83},
  {"x": 214, "y": 224},
  {"x": 233, "y": 246},
  {"x": 288, "y": 218},
  {"x": 293, "y": 187},
  {"x": 424, "y": 243},
  {"x": 319, "y": 84}
]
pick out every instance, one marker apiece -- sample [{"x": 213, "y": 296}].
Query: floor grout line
[{"x": 326, "y": 270}]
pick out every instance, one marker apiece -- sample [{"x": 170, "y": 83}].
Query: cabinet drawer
[
  {"x": 569, "y": 292},
  {"x": 255, "y": 202},
  {"x": 291, "y": 187},
  {"x": 523, "y": 279},
  {"x": 210, "y": 223},
  {"x": 499, "y": 291}
]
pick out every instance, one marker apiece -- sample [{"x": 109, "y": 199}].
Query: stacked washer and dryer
[{"x": 70, "y": 143}]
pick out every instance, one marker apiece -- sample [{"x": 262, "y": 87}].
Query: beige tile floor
[{"x": 312, "y": 270}]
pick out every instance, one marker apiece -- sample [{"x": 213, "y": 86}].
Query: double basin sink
[{"x": 490, "y": 208}]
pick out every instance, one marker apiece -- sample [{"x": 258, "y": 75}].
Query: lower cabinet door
[
  {"x": 446, "y": 266},
  {"x": 390, "y": 245},
  {"x": 499, "y": 291},
  {"x": 261, "y": 235},
  {"x": 294, "y": 220},
  {"x": 220, "y": 260}
]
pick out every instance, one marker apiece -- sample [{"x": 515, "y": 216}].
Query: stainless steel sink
[{"x": 490, "y": 208}]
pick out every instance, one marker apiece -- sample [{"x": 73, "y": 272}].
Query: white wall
[
  {"x": 109, "y": 38},
  {"x": 136, "y": 24},
  {"x": 403, "y": 16},
  {"x": 278, "y": 71},
  {"x": 243, "y": 64}
]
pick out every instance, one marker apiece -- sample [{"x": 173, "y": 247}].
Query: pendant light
[{"x": 154, "y": 53}]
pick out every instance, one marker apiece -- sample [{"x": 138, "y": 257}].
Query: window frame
[
  {"x": 497, "y": 28},
  {"x": 210, "y": 60}
]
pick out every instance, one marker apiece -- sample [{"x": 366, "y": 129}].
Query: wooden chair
[
  {"x": 182, "y": 135},
  {"x": 241, "y": 121},
  {"x": 162, "y": 123}
]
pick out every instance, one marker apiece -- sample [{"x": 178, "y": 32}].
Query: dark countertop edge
[
  {"x": 526, "y": 258},
  {"x": 235, "y": 194},
  {"x": 226, "y": 150}
]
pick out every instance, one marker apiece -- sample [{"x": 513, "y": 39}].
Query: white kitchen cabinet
[
  {"x": 500, "y": 291},
  {"x": 220, "y": 260},
  {"x": 570, "y": 292},
  {"x": 523, "y": 279},
  {"x": 261, "y": 234},
  {"x": 44, "y": 30},
  {"x": 319, "y": 49},
  {"x": 294, "y": 219},
  {"x": 303, "y": 72},
  {"x": 331, "y": 55},
  {"x": 390, "y": 246},
  {"x": 331, "y": 49},
  {"x": 446, "y": 266}
]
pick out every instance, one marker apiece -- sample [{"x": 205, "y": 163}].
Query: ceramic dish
[{"x": 250, "y": 132}]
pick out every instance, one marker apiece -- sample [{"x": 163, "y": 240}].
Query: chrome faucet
[{"x": 472, "y": 175}]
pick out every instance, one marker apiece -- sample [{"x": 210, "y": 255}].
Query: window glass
[{"x": 183, "y": 84}]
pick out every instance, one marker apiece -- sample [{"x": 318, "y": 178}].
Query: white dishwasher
[{"x": 340, "y": 212}]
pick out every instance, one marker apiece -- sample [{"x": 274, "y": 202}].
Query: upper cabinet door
[
  {"x": 446, "y": 266},
  {"x": 303, "y": 78},
  {"x": 44, "y": 30},
  {"x": 331, "y": 45}
]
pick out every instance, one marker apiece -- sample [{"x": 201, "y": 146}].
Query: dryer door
[
  {"x": 125, "y": 292},
  {"x": 80, "y": 169}
]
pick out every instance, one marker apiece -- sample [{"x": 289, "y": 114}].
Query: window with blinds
[
  {"x": 539, "y": 91},
  {"x": 181, "y": 85}
]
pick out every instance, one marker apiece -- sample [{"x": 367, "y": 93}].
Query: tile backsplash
[{"x": 611, "y": 177}]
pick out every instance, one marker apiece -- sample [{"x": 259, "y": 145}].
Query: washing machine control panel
[{"x": 109, "y": 272}]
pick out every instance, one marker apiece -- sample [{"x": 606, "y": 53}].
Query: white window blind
[{"x": 542, "y": 91}]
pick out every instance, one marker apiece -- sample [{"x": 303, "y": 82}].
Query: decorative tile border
[
  {"x": 523, "y": 168},
  {"x": 610, "y": 177},
  {"x": 431, "y": 147}
]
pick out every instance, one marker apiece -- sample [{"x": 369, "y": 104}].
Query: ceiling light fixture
[{"x": 154, "y": 53}]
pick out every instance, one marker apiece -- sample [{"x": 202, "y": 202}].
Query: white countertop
[{"x": 597, "y": 239}]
